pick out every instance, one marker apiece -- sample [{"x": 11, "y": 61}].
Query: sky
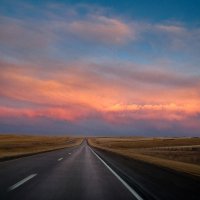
[{"x": 100, "y": 68}]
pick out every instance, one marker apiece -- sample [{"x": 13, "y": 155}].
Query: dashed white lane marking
[
  {"x": 133, "y": 192},
  {"x": 21, "y": 182},
  {"x": 60, "y": 159}
]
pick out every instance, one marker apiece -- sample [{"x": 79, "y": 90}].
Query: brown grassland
[
  {"x": 14, "y": 146},
  {"x": 180, "y": 154}
]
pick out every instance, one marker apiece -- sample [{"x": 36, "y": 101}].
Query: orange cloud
[
  {"x": 79, "y": 91},
  {"x": 68, "y": 114}
]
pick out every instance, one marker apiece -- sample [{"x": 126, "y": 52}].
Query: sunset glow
[{"x": 87, "y": 68}]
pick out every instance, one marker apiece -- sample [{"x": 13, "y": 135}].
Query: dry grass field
[
  {"x": 13, "y": 146},
  {"x": 181, "y": 154}
]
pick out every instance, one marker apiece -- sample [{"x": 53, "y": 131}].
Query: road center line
[
  {"x": 60, "y": 159},
  {"x": 21, "y": 182},
  {"x": 133, "y": 192}
]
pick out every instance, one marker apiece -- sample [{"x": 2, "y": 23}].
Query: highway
[{"x": 82, "y": 173}]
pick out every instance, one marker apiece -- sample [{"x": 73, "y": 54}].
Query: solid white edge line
[
  {"x": 21, "y": 182},
  {"x": 60, "y": 159},
  {"x": 133, "y": 192}
]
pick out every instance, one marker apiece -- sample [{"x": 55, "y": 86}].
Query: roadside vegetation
[
  {"x": 180, "y": 154},
  {"x": 14, "y": 146}
]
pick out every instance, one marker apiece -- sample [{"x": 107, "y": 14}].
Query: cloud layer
[{"x": 88, "y": 69}]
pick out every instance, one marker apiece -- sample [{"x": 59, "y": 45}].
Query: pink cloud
[
  {"x": 80, "y": 91},
  {"x": 70, "y": 113},
  {"x": 29, "y": 34},
  {"x": 102, "y": 29},
  {"x": 78, "y": 81}
]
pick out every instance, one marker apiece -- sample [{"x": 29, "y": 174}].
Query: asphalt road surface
[{"x": 80, "y": 173}]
